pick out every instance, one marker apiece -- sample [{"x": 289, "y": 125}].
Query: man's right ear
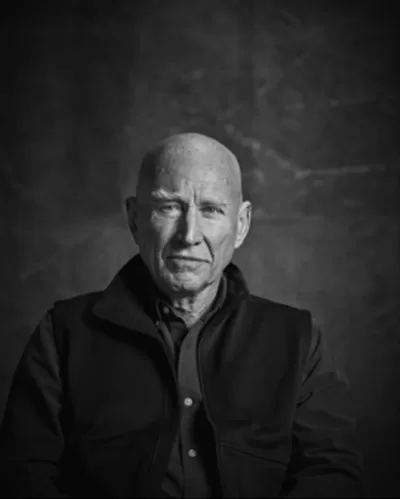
[{"x": 131, "y": 211}]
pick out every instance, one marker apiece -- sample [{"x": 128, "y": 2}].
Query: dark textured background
[{"x": 304, "y": 92}]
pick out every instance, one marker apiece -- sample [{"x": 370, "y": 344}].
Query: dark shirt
[{"x": 192, "y": 470}]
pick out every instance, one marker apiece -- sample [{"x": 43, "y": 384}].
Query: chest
[{"x": 247, "y": 378}]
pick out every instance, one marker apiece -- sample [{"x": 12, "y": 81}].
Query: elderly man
[{"x": 176, "y": 381}]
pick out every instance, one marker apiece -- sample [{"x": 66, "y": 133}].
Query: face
[{"x": 187, "y": 222}]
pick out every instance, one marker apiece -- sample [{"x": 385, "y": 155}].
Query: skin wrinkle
[
  {"x": 158, "y": 160},
  {"x": 204, "y": 218}
]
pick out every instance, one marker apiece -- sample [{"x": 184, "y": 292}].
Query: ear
[
  {"x": 243, "y": 224},
  {"x": 131, "y": 211}
]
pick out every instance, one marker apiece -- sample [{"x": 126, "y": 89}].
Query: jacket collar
[{"x": 125, "y": 300}]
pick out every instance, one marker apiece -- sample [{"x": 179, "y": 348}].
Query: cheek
[
  {"x": 221, "y": 240},
  {"x": 156, "y": 234}
]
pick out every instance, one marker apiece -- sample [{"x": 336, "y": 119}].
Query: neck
[{"x": 192, "y": 308}]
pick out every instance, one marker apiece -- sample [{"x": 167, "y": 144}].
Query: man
[{"x": 176, "y": 381}]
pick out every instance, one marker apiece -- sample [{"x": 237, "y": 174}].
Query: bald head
[{"x": 194, "y": 153}]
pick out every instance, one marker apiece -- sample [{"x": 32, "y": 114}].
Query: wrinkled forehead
[{"x": 196, "y": 166}]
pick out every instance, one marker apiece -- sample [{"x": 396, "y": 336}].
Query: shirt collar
[
  {"x": 126, "y": 301},
  {"x": 161, "y": 304}
]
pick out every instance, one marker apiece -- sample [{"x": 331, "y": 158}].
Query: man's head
[{"x": 188, "y": 215}]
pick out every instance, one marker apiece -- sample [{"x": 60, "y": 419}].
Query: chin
[{"x": 183, "y": 284}]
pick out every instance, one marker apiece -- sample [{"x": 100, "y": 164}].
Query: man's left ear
[
  {"x": 244, "y": 220},
  {"x": 131, "y": 211}
]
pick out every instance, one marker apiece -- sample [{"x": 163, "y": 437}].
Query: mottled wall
[{"x": 304, "y": 92}]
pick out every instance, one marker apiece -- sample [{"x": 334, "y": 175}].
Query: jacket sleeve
[
  {"x": 325, "y": 461},
  {"x": 31, "y": 438}
]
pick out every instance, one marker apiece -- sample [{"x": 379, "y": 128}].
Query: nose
[{"x": 190, "y": 232}]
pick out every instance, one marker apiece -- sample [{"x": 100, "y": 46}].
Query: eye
[
  {"x": 212, "y": 210},
  {"x": 168, "y": 208}
]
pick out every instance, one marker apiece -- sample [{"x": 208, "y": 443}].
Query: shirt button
[
  {"x": 165, "y": 310},
  {"x": 192, "y": 453},
  {"x": 188, "y": 402}
]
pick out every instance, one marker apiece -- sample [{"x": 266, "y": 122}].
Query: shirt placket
[
  {"x": 191, "y": 400},
  {"x": 191, "y": 473}
]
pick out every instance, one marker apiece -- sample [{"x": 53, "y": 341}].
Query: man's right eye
[{"x": 168, "y": 208}]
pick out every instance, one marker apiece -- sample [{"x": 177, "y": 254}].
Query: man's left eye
[{"x": 212, "y": 210}]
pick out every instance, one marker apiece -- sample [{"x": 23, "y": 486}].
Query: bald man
[{"x": 176, "y": 381}]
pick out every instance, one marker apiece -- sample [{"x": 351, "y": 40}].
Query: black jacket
[{"x": 93, "y": 407}]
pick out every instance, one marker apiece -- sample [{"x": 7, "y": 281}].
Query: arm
[
  {"x": 324, "y": 462},
  {"x": 31, "y": 439}
]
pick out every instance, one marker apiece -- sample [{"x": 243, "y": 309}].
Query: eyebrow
[{"x": 166, "y": 196}]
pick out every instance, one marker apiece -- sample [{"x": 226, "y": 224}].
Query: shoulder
[
  {"x": 289, "y": 324},
  {"x": 286, "y": 312},
  {"x": 77, "y": 302},
  {"x": 78, "y": 307}
]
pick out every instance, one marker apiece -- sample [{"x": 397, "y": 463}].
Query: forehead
[
  {"x": 202, "y": 172},
  {"x": 196, "y": 175}
]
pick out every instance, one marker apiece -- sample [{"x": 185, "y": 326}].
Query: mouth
[
  {"x": 186, "y": 258},
  {"x": 182, "y": 265}
]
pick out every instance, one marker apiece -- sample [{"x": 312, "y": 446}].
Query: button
[
  {"x": 188, "y": 402},
  {"x": 187, "y": 345},
  {"x": 192, "y": 453},
  {"x": 165, "y": 310}
]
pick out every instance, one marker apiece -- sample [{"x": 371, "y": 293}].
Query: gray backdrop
[{"x": 304, "y": 92}]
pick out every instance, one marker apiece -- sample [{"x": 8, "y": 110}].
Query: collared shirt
[{"x": 192, "y": 470}]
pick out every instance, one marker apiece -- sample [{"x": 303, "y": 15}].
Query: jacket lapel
[{"x": 120, "y": 302}]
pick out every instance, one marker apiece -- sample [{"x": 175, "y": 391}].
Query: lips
[
  {"x": 182, "y": 264},
  {"x": 186, "y": 258}
]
